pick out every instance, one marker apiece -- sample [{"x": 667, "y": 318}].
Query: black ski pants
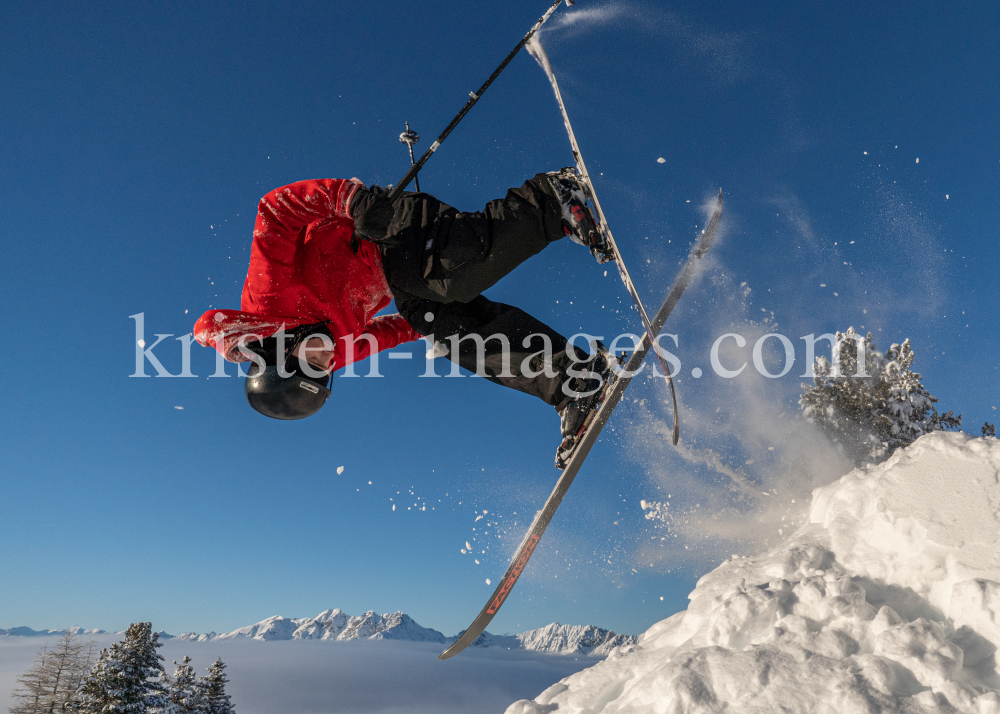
[{"x": 442, "y": 260}]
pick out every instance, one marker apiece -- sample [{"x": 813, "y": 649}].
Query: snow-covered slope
[{"x": 887, "y": 600}]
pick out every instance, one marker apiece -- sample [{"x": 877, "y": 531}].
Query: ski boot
[
  {"x": 576, "y": 416},
  {"x": 578, "y": 221}
]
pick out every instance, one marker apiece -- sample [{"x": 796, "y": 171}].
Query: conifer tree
[
  {"x": 989, "y": 429},
  {"x": 125, "y": 679},
  {"x": 872, "y": 411},
  {"x": 49, "y": 686},
  {"x": 213, "y": 687},
  {"x": 184, "y": 691}
]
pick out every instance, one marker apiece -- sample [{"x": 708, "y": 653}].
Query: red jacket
[{"x": 302, "y": 271}]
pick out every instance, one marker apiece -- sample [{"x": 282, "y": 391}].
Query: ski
[
  {"x": 586, "y": 440},
  {"x": 534, "y": 46}
]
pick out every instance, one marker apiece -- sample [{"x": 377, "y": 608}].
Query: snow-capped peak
[
  {"x": 331, "y": 625},
  {"x": 558, "y": 639}
]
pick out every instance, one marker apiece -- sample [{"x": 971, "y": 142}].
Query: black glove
[{"x": 373, "y": 213}]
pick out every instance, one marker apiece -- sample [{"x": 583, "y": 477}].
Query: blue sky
[{"x": 138, "y": 138}]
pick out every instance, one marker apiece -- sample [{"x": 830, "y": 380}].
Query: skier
[{"x": 329, "y": 254}]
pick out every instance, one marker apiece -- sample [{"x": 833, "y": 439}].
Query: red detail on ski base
[{"x": 508, "y": 584}]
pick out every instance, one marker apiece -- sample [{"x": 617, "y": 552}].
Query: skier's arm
[
  {"x": 388, "y": 331},
  {"x": 282, "y": 217}
]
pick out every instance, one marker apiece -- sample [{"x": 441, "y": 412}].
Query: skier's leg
[
  {"x": 447, "y": 256},
  {"x": 476, "y": 325}
]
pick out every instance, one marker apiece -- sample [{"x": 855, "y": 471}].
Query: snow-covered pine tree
[
  {"x": 871, "y": 416},
  {"x": 125, "y": 679},
  {"x": 213, "y": 687},
  {"x": 50, "y": 685},
  {"x": 989, "y": 429},
  {"x": 183, "y": 690}
]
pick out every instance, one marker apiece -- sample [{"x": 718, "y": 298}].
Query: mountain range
[{"x": 337, "y": 625}]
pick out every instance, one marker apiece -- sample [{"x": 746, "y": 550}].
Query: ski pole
[
  {"x": 410, "y": 137},
  {"x": 398, "y": 189}
]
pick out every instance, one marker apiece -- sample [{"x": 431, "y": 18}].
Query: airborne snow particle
[
  {"x": 340, "y": 470},
  {"x": 918, "y": 159},
  {"x": 394, "y": 506},
  {"x": 178, "y": 407},
  {"x": 488, "y": 581},
  {"x": 661, "y": 160},
  {"x": 477, "y": 562},
  {"x": 661, "y": 597},
  {"x": 142, "y": 343},
  {"x": 467, "y": 545}
]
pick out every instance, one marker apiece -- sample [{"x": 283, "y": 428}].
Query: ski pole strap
[{"x": 398, "y": 189}]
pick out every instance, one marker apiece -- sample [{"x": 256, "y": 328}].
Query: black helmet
[{"x": 294, "y": 396}]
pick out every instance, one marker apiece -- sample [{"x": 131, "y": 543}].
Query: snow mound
[{"x": 887, "y": 600}]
